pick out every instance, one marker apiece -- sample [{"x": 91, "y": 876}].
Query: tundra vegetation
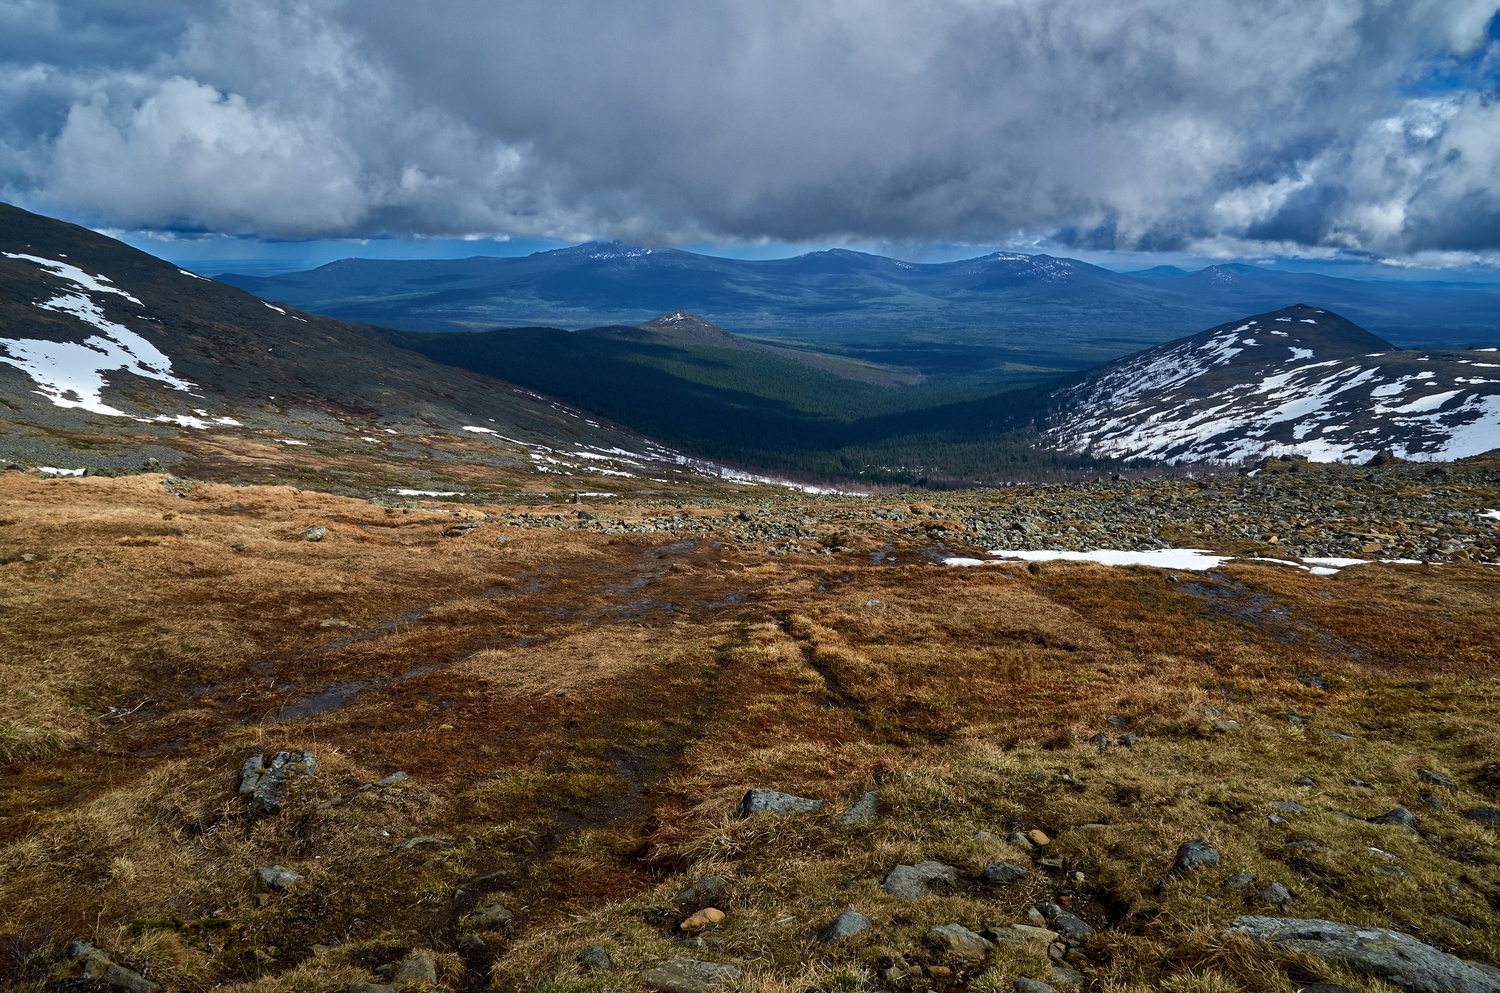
[{"x": 263, "y": 738}]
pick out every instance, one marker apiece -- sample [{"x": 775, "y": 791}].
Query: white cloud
[{"x": 1162, "y": 123}]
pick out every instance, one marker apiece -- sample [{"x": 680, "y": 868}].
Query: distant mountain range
[
  {"x": 1003, "y": 318},
  {"x": 1299, "y": 380},
  {"x": 110, "y": 357}
]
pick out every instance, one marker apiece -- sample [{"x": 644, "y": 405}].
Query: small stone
[
  {"x": 1003, "y": 872},
  {"x": 911, "y": 882},
  {"x": 1436, "y": 778},
  {"x": 707, "y": 917},
  {"x": 1019, "y": 839},
  {"x": 759, "y": 801},
  {"x": 594, "y": 957},
  {"x": 684, "y": 975},
  {"x": 1036, "y": 932},
  {"x": 492, "y": 916},
  {"x": 1485, "y": 815},
  {"x": 1301, "y": 844},
  {"x": 1275, "y": 894},
  {"x": 959, "y": 941},
  {"x": 1024, "y": 985},
  {"x": 425, "y": 839},
  {"x": 1276, "y": 819},
  {"x": 1101, "y": 742},
  {"x": 472, "y": 944},
  {"x": 864, "y": 809},
  {"x": 1069, "y": 925},
  {"x": 1390, "y": 870},
  {"x": 846, "y": 925},
  {"x": 1307, "y": 781},
  {"x": 1240, "y": 880},
  {"x": 707, "y": 888},
  {"x": 417, "y": 969},
  {"x": 1061, "y": 975},
  {"x": 1195, "y": 854},
  {"x": 1362, "y": 784},
  {"x": 1035, "y": 917},
  {"x": 315, "y": 533},
  {"x": 1038, "y": 838},
  {"x": 1432, "y": 800},
  {"x": 1129, "y": 740},
  {"x": 1314, "y": 682},
  {"x": 1226, "y": 727},
  {"x": 278, "y": 879},
  {"x": 371, "y": 988},
  {"x": 1336, "y": 736},
  {"x": 1400, "y": 817},
  {"x": 1210, "y": 712},
  {"x": 1289, "y": 807},
  {"x": 1116, "y": 723}
]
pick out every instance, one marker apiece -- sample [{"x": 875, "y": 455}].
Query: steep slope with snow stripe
[{"x": 1300, "y": 380}]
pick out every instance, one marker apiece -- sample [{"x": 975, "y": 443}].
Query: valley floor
[{"x": 519, "y": 732}]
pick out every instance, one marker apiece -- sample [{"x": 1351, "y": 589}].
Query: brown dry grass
[{"x": 580, "y": 712}]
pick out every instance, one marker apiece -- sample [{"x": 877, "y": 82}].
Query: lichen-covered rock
[
  {"x": 1389, "y": 955},
  {"x": 911, "y": 882},
  {"x": 265, "y": 782},
  {"x": 759, "y": 801},
  {"x": 684, "y": 975},
  {"x": 491, "y": 916}
]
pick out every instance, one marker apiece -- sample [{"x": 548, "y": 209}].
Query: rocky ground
[{"x": 262, "y": 738}]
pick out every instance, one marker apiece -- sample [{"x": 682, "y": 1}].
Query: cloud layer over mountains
[{"x": 1156, "y": 124}]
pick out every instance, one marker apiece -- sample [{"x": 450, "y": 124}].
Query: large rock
[
  {"x": 689, "y": 976},
  {"x": 864, "y": 809},
  {"x": 846, "y": 925},
  {"x": 98, "y": 966},
  {"x": 760, "y": 801},
  {"x": 960, "y": 942},
  {"x": 1389, "y": 955},
  {"x": 911, "y": 882},
  {"x": 265, "y": 782}
]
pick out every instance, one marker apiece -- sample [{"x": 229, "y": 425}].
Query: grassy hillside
[{"x": 757, "y": 407}]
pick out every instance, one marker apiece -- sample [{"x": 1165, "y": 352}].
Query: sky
[{"x": 1350, "y": 136}]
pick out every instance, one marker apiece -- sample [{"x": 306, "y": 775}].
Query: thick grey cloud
[{"x": 1342, "y": 125}]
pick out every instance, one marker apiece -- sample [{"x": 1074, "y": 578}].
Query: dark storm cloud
[{"x": 1148, "y": 124}]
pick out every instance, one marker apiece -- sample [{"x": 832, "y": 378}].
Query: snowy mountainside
[
  {"x": 1301, "y": 380},
  {"x": 107, "y": 353}
]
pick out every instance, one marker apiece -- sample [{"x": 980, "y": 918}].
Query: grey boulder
[
  {"x": 759, "y": 801},
  {"x": 491, "y": 916},
  {"x": 594, "y": 957},
  {"x": 689, "y": 976},
  {"x": 417, "y": 969},
  {"x": 1389, "y": 955},
  {"x": 1033, "y": 986},
  {"x": 911, "y": 882},
  {"x": 1003, "y": 872},
  {"x": 265, "y": 782},
  {"x": 98, "y": 966},
  {"x": 846, "y": 925},
  {"x": 1195, "y": 854}
]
